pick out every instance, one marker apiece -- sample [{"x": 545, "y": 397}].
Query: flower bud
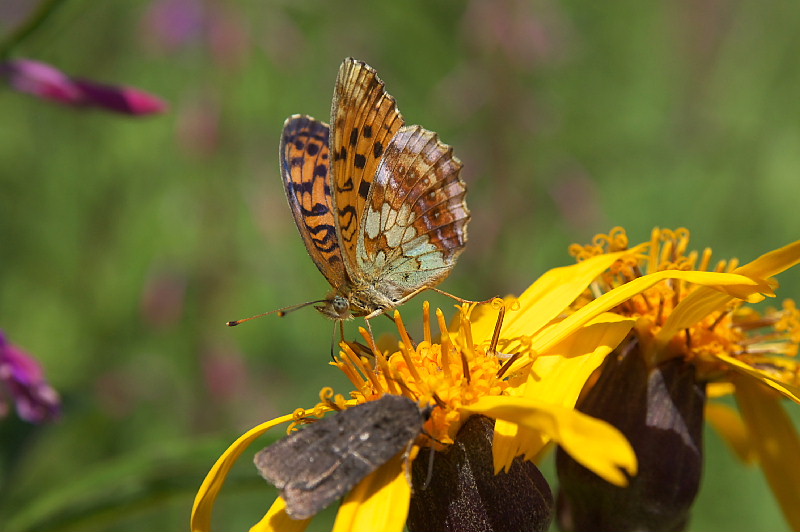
[
  {"x": 463, "y": 493},
  {"x": 660, "y": 411}
]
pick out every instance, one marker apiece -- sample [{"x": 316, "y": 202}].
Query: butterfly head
[{"x": 336, "y": 307}]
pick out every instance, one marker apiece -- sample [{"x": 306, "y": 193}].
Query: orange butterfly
[{"x": 379, "y": 205}]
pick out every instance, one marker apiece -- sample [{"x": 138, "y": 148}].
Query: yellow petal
[
  {"x": 559, "y": 379},
  {"x": 544, "y": 342},
  {"x": 772, "y": 263},
  {"x": 777, "y": 442},
  {"x": 379, "y": 502},
  {"x": 727, "y": 422},
  {"x": 546, "y": 298},
  {"x": 719, "y": 389},
  {"x": 593, "y": 443},
  {"x": 703, "y": 301},
  {"x": 695, "y": 307},
  {"x": 277, "y": 520},
  {"x": 504, "y": 444},
  {"x": 212, "y": 484},
  {"x": 785, "y": 389}
]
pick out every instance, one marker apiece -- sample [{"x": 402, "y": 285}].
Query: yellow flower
[
  {"x": 686, "y": 337},
  {"x": 523, "y": 367}
]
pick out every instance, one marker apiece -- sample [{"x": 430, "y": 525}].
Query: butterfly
[{"x": 379, "y": 204}]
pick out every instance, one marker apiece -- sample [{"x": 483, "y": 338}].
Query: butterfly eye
[{"x": 340, "y": 304}]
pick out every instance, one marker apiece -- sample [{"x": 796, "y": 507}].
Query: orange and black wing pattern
[
  {"x": 365, "y": 119},
  {"x": 305, "y": 168}
]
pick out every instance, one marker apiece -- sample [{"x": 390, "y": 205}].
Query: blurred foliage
[{"x": 125, "y": 244}]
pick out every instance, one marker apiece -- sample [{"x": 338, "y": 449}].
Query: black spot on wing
[
  {"x": 360, "y": 161},
  {"x": 377, "y": 149},
  {"x": 363, "y": 189},
  {"x": 346, "y": 186}
]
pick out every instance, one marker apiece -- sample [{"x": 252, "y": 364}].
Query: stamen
[
  {"x": 368, "y": 373},
  {"x": 682, "y": 235},
  {"x": 497, "y": 327},
  {"x": 617, "y": 239},
  {"x": 652, "y": 256},
  {"x": 762, "y": 338},
  {"x": 401, "y": 328},
  {"x": 381, "y": 362},
  {"x": 465, "y": 366},
  {"x": 445, "y": 345},
  {"x": 426, "y": 322},
  {"x": 752, "y": 324},
  {"x": 666, "y": 252},
  {"x": 508, "y": 364},
  {"x": 466, "y": 328},
  {"x": 705, "y": 260},
  {"x": 691, "y": 260},
  {"x": 719, "y": 320},
  {"x": 350, "y": 372}
]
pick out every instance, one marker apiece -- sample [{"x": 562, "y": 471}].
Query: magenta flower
[
  {"x": 49, "y": 83},
  {"x": 22, "y": 378}
]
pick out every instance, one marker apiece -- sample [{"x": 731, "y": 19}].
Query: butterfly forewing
[
  {"x": 305, "y": 168},
  {"x": 365, "y": 119},
  {"x": 415, "y": 224}
]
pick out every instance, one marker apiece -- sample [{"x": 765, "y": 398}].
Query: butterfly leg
[
  {"x": 406, "y": 298},
  {"x": 460, "y": 300},
  {"x": 371, "y": 337}
]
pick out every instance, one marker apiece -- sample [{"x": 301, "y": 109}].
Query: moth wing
[{"x": 322, "y": 462}]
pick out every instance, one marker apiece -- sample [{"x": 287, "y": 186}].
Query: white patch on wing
[{"x": 372, "y": 224}]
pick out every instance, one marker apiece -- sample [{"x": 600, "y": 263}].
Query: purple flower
[
  {"x": 172, "y": 24},
  {"x": 24, "y": 381},
  {"x": 49, "y": 83}
]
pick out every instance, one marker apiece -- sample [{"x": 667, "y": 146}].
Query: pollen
[{"x": 446, "y": 369}]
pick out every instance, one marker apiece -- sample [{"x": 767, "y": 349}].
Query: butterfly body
[{"x": 379, "y": 204}]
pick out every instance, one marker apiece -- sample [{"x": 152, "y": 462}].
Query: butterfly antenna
[{"x": 280, "y": 312}]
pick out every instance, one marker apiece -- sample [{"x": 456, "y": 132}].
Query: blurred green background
[{"x": 126, "y": 243}]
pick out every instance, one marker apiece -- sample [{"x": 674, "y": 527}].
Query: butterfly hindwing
[
  {"x": 305, "y": 168},
  {"x": 415, "y": 223}
]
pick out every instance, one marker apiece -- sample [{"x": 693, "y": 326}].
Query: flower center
[{"x": 449, "y": 371}]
